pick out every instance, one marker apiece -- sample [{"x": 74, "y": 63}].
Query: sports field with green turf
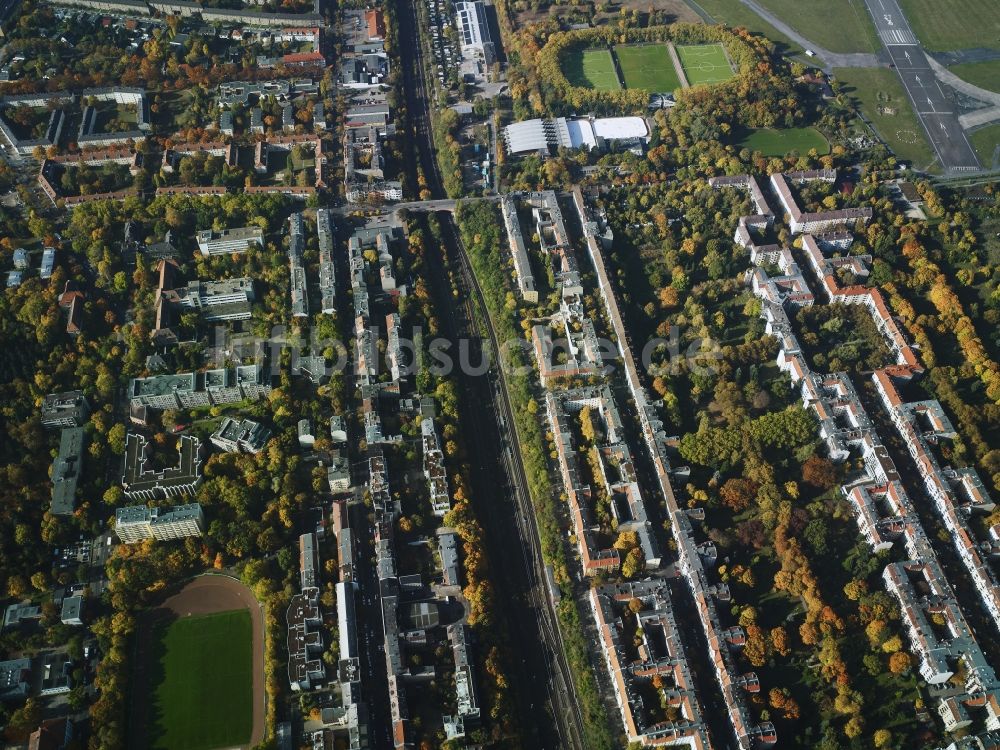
[
  {"x": 203, "y": 668},
  {"x": 778, "y": 142},
  {"x": 704, "y": 63},
  {"x": 648, "y": 67},
  {"x": 591, "y": 69},
  {"x": 956, "y": 24}
]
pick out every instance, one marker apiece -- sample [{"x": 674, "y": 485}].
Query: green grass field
[
  {"x": 204, "y": 697},
  {"x": 778, "y": 142},
  {"x": 647, "y": 67},
  {"x": 591, "y": 69},
  {"x": 986, "y": 75},
  {"x": 736, "y": 13},
  {"x": 985, "y": 141},
  {"x": 878, "y": 89},
  {"x": 837, "y": 25},
  {"x": 957, "y": 24},
  {"x": 704, "y": 63}
]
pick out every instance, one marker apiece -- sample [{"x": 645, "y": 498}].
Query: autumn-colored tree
[
  {"x": 854, "y": 727},
  {"x": 892, "y": 645},
  {"x": 633, "y": 564},
  {"x": 882, "y": 738},
  {"x": 755, "y": 649},
  {"x": 819, "y": 472},
  {"x": 627, "y": 540},
  {"x": 779, "y": 641},
  {"x": 899, "y": 662},
  {"x": 855, "y": 589},
  {"x": 737, "y": 493}
]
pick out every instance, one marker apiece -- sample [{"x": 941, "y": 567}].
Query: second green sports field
[
  {"x": 203, "y": 698},
  {"x": 704, "y": 63},
  {"x": 647, "y": 66}
]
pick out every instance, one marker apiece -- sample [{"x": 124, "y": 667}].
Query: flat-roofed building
[
  {"x": 296, "y": 246},
  {"x": 228, "y": 299},
  {"x": 467, "y": 712},
  {"x": 71, "y": 611},
  {"x": 240, "y": 436},
  {"x": 66, "y": 471},
  {"x": 544, "y": 136},
  {"x": 69, "y": 409},
  {"x": 163, "y": 524},
  {"x": 48, "y": 263},
  {"x": 327, "y": 272},
  {"x": 193, "y": 389},
  {"x": 235, "y": 240},
  {"x": 20, "y": 612},
  {"x": 308, "y": 561},
  {"x": 14, "y": 679},
  {"x": 305, "y": 641},
  {"x": 140, "y": 481},
  {"x": 448, "y": 545},
  {"x": 518, "y": 250},
  {"x": 474, "y": 28}
]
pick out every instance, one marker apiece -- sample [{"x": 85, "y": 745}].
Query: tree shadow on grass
[{"x": 145, "y": 717}]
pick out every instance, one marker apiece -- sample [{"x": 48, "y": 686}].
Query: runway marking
[{"x": 897, "y": 37}]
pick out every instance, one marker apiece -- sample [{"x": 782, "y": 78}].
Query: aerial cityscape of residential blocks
[{"x": 463, "y": 374}]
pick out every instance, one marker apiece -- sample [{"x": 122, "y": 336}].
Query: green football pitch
[
  {"x": 704, "y": 63},
  {"x": 778, "y": 142},
  {"x": 591, "y": 69},
  {"x": 203, "y": 667},
  {"x": 647, "y": 67}
]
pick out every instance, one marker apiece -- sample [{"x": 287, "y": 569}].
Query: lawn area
[
  {"x": 736, "y": 13},
  {"x": 985, "y": 141},
  {"x": 704, "y": 63},
  {"x": 881, "y": 97},
  {"x": 963, "y": 24},
  {"x": 648, "y": 67},
  {"x": 986, "y": 75},
  {"x": 837, "y": 25},
  {"x": 778, "y": 142},
  {"x": 591, "y": 69},
  {"x": 204, "y": 695}
]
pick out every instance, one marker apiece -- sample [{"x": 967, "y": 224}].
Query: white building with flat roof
[
  {"x": 545, "y": 135},
  {"x": 474, "y": 28},
  {"x": 235, "y": 240},
  {"x": 137, "y": 523}
]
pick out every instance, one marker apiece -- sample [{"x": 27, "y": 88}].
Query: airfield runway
[{"x": 936, "y": 112}]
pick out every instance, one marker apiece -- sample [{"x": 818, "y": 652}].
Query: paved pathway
[
  {"x": 958, "y": 56},
  {"x": 946, "y": 76},
  {"x": 831, "y": 59},
  {"x": 979, "y": 117}
]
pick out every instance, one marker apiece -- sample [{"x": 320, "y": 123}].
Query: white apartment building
[{"x": 139, "y": 522}]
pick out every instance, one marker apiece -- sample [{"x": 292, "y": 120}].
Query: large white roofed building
[
  {"x": 474, "y": 27},
  {"x": 542, "y": 136}
]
